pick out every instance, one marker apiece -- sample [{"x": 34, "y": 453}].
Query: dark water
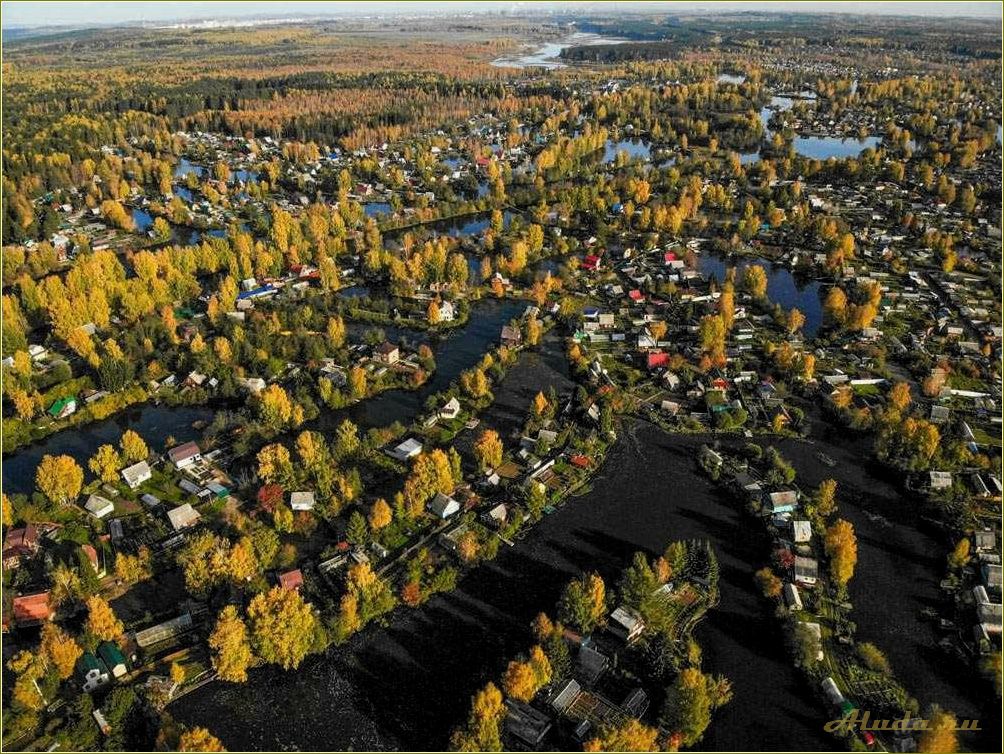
[
  {"x": 456, "y": 352},
  {"x": 154, "y": 424},
  {"x": 418, "y": 674},
  {"x": 900, "y": 565},
  {"x": 782, "y": 287},
  {"x": 458, "y": 228}
]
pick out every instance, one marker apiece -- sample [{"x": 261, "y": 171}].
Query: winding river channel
[{"x": 407, "y": 684}]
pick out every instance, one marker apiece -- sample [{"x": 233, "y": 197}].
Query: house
[
  {"x": 97, "y": 562},
  {"x": 113, "y": 659},
  {"x": 405, "y": 450},
  {"x": 92, "y": 671},
  {"x": 496, "y": 516},
  {"x": 783, "y": 501},
  {"x": 591, "y": 663},
  {"x": 985, "y": 540},
  {"x": 447, "y": 312},
  {"x": 102, "y": 722},
  {"x": 940, "y": 480},
  {"x": 386, "y": 353},
  {"x": 566, "y": 696},
  {"x": 301, "y": 501},
  {"x": 183, "y": 516},
  {"x": 626, "y": 624},
  {"x": 32, "y": 609},
  {"x": 511, "y": 336},
  {"x": 291, "y": 581},
  {"x": 450, "y": 410},
  {"x": 253, "y": 385},
  {"x": 792, "y": 599},
  {"x": 591, "y": 263},
  {"x": 656, "y": 360},
  {"x": 443, "y": 506},
  {"x": 526, "y": 724},
  {"x": 184, "y": 455},
  {"x": 63, "y": 407},
  {"x": 806, "y": 570},
  {"x": 19, "y": 544},
  {"x": 449, "y": 539},
  {"x": 98, "y": 506},
  {"x": 136, "y": 474},
  {"x": 169, "y": 629},
  {"x": 801, "y": 531}
]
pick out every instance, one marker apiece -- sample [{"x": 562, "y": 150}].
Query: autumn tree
[
  {"x": 794, "y": 320},
  {"x": 842, "y": 549},
  {"x": 689, "y": 703},
  {"x": 482, "y": 731},
  {"x": 199, "y": 739},
  {"x": 133, "y": 447},
  {"x": 939, "y": 737},
  {"x": 105, "y": 463},
  {"x": 583, "y": 603},
  {"x": 632, "y": 735},
  {"x": 336, "y": 332},
  {"x": 769, "y": 583},
  {"x": 102, "y": 622},
  {"x": 231, "y": 648},
  {"x": 755, "y": 281},
  {"x": 519, "y": 681},
  {"x": 59, "y": 478},
  {"x": 282, "y": 627},
  {"x": 488, "y": 450},
  {"x": 380, "y": 515},
  {"x": 60, "y": 650}
]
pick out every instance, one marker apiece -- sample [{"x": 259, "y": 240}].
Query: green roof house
[
  {"x": 92, "y": 671},
  {"x": 63, "y": 407},
  {"x": 113, "y": 658}
]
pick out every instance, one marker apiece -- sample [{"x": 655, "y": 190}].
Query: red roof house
[
  {"x": 291, "y": 580},
  {"x": 19, "y": 544},
  {"x": 31, "y": 609},
  {"x": 656, "y": 359}
]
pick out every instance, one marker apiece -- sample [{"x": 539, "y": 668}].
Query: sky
[{"x": 24, "y": 13}]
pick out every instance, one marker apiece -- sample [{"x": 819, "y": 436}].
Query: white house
[
  {"x": 183, "y": 516},
  {"x": 98, "y": 506},
  {"x": 626, "y": 624},
  {"x": 443, "y": 506},
  {"x": 447, "y": 312},
  {"x": 405, "y": 450},
  {"x": 136, "y": 474},
  {"x": 450, "y": 410},
  {"x": 301, "y": 501},
  {"x": 184, "y": 455}
]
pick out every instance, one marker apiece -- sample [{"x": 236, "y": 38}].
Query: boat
[
  {"x": 823, "y": 458},
  {"x": 929, "y": 612}
]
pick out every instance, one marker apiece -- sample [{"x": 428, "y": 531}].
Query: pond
[
  {"x": 635, "y": 149},
  {"x": 782, "y": 287},
  {"x": 372, "y": 209},
  {"x": 153, "y": 423},
  {"x": 814, "y": 147},
  {"x": 184, "y": 167},
  {"x": 142, "y": 220}
]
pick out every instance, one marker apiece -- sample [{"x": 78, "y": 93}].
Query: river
[
  {"x": 413, "y": 679},
  {"x": 405, "y": 685},
  {"x": 153, "y": 423}
]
